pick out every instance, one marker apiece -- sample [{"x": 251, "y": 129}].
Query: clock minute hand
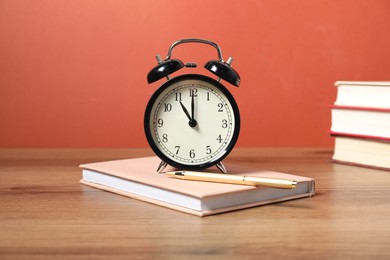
[{"x": 192, "y": 107}]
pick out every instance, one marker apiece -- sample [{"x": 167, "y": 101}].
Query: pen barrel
[
  {"x": 270, "y": 182},
  {"x": 214, "y": 177},
  {"x": 235, "y": 179}
]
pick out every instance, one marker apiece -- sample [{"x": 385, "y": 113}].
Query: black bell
[
  {"x": 163, "y": 69},
  {"x": 224, "y": 71}
]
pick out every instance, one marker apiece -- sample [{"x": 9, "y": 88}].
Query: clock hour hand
[
  {"x": 185, "y": 111},
  {"x": 192, "y": 122}
]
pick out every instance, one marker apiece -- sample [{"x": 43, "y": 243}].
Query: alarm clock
[{"x": 192, "y": 121}]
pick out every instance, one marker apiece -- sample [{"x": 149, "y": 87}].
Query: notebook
[{"x": 137, "y": 178}]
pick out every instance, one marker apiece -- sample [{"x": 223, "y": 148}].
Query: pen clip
[
  {"x": 175, "y": 173},
  {"x": 179, "y": 173}
]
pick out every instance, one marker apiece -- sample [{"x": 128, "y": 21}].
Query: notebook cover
[{"x": 143, "y": 170}]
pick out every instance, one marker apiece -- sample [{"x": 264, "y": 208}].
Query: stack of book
[{"x": 361, "y": 124}]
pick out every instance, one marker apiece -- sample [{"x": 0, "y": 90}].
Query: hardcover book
[
  {"x": 138, "y": 179},
  {"x": 373, "y": 94},
  {"x": 360, "y": 151},
  {"x": 361, "y": 121}
]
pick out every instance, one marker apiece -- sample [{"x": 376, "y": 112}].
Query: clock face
[{"x": 192, "y": 122}]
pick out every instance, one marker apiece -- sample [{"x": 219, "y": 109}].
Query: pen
[{"x": 232, "y": 179}]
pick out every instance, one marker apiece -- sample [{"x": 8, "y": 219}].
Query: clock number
[
  {"x": 220, "y": 107},
  {"x": 208, "y": 96},
  {"x": 208, "y": 149},
  {"x": 178, "y": 96},
  {"x": 192, "y": 153},
  {"x": 224, "y": 123},
  {"x": 160, "y": 122},
  {"x": 167, "y": 107},
  {"x": 219, "y": 138},
  {"x": 165, "y": 138},
  {"x": 177, "y": 147},
  {"x": 193, "y": 92}
]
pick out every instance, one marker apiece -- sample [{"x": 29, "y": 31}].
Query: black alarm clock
[{"x": 192, "y": 121}]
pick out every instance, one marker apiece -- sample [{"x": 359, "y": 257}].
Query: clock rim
[{"x": 154, "y": 146}]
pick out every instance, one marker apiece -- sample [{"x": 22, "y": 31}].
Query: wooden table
[{"x": 46, "y": 213}]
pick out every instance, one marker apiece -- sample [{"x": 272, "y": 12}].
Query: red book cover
[
  {"x": 378, "y": 138},
  {"x": 374, "y": 109}
]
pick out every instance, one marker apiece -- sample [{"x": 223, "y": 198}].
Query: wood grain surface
[{"x": 46, "y": 213}]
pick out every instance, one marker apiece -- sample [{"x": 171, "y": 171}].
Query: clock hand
[
  {"x": 192, "y": 107},
  {"x": 185, "y": 111},
  {"x": 192, "y": 122}
]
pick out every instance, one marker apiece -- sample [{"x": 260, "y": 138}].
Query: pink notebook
[{"x": 138, "y": 179}]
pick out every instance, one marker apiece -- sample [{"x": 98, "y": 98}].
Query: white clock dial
[{"x": 192, "y": 122}]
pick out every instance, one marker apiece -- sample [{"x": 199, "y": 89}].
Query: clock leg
[
  {"x": 161, "y": 166},
  {"x": 221, "y": 167}
]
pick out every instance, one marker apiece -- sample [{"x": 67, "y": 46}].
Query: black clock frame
[{"x": 168, "y": 84}]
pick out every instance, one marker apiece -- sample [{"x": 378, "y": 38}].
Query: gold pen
[{"x": 233, "y": 179}]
